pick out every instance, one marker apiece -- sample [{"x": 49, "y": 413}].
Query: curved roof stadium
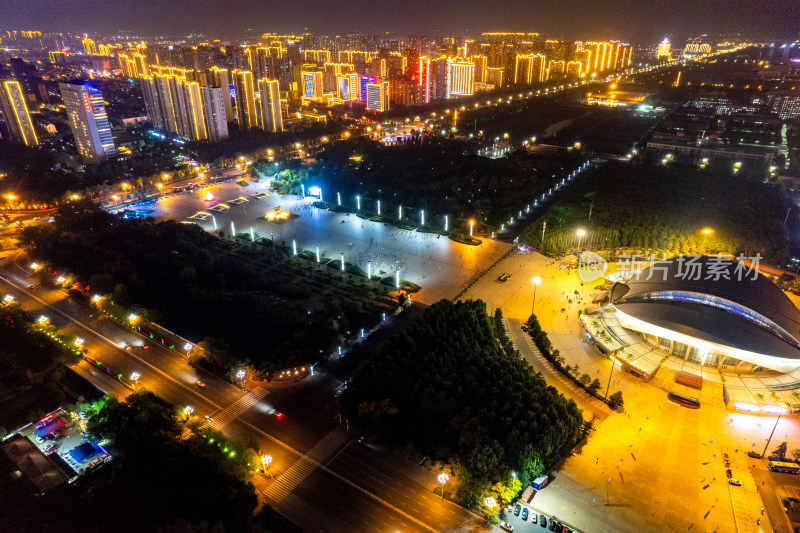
[{"x": 733, "y": 309}]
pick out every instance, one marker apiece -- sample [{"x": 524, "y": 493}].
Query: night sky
[{"x": 644, "y": 21}]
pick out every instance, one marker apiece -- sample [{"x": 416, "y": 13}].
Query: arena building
[{"x": 704, "y": 322}]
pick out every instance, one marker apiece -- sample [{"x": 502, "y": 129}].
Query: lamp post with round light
[
  {"x": 443, "y": 479},
  {"x": 536, "y": 282},
  {"x": 580, "y": 234}
]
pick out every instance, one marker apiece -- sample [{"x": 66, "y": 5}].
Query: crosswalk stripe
[
  {"x": 304, "y": 466},
  {"x": 237, "y": 408}
]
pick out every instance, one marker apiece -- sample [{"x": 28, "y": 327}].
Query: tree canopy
[{"x": 450, "y": 388}]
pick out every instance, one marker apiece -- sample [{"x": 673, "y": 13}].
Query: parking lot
[
  {"x": 60, "y": 437},
  {"x": 522, "y": 517}
]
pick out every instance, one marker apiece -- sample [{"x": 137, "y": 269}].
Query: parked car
[
  {"x": 534, "y": 517},
  {"x": 505, "y": 526},
  {"x": 47, "y": 450},
  {"x": 517, "y": 509},
  {"x": 735, "y": 482},
  {"x": 524, "y": 513}
]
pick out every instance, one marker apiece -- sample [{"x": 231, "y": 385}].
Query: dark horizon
[{"x": 637, "y": 22}]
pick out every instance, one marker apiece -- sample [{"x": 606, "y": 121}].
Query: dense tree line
[
  {"x": 441, "y": 176},
  {"x": 31, "y": 367},
  {"x": 646, "y": 205},
  {"x": 454, "y": 388},
  {"x": 196, "y": 285}
]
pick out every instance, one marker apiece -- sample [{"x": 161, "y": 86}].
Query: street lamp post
[
  {"x": 471, "y": 225},
  {"x": 358, "y": 202},
  {"x": 241, "y": 375},
  {"x": 536, "y": 282},
  {"x": 443, "y": 479},
  {"x": 764, "y": 453},
  {"x": 266, "y": 461},
  {"x": 580, "y": 233}
]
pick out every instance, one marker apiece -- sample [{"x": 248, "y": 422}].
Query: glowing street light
[
  {"x": 135, "y": 378},
  {"x": 342, "y": 262},
  {"x": 233, "y": 229},
  {"x": 338, "y": 199},
  {"x": 445, "y": 222},
  {"x": 471, "y": 225},
  {"x": 358, "y": 202},
  {"x": 536, "y": 282},
  {"x": 133, "y": 317},
  {"x": 489, "y": 502},
  {"x": 252, "y": 234},
  {"x": 422, "y": 216},
  {"x": 42, "y": 319},
  {"x": 188, "y": 410},
  {"x": 294, "y": 247},
  {"x": 580, "y": 234},
  {"x": 379, "y": 208},
  {"x": 241, "y": 375},
  {"x": 266, "y": 461},
  {"x": 214, "y": 221},
  {"x": 369, "y": 270},
  {"x": 400, "y": 213},
  {"x": 397, "y": 279},
  {"x": 443, "y": 478}
]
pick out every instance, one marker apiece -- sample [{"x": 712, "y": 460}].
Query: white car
[{"x": 505, "y": 526}]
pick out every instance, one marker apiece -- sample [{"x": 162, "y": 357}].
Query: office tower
[
  {"x": 87, "y": 119},
  {"x": 362, "y": 86},
  {"x": 89, "y": 47},
  {"x": 529, "y": 68},
  {"x": 271, "y": 118},
  {"x": 441, "y": 78},
  {"x": 461, "y": 78},
  {"x": 663, "y": 50},
  {"x": 15, "y": 113},
  {"x": 312, "y": 85},
  {"x": 219, "y": 78},
  {"x": 214, "y": 109},
  {"x": 246, "y": 112},
  {"x": 378, "y": 96}
]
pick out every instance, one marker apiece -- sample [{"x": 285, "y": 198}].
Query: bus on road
[
  {"x": 685, "y": 401},
  {"x": 785, "y": 466}
]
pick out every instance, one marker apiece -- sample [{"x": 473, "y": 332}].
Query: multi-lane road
[{"x": 321, "y": 477}]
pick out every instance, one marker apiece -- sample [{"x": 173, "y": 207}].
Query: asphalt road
[{"x": 351, "y": 487}]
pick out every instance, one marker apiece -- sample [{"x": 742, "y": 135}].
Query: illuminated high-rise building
[
  {"x": 89, "y": 47},
  {"x": 190, "y": 114},
  {"x": 495, "y": 76},
  {"x": 574, "y": 68},
  {"x": 57, "y": 57},
  {"x": 584, "y": 57},
  {"x": 461, "y": 78},
  {"x": 246, "y": 112},
  {"x": 378, "y": 96},
  {"x": 312, "y": 85},
  {"x": 15, "y": 113},
  {"x": 424, "y": 79},
  {"x": 480, "y": 68},
  {"x": 529, "y": 68},
  {"x": 86, "y": 114},
  {"x": 663, "y": 50},
  {"x": 271, "y": 118},
  {"x": 214, "y": 110},
  {"x": 348, "y": 87},
  {"x": 556, "y": 69},
  {"x": 218, "y": 77}
]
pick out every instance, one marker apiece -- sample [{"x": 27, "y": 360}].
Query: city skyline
[{"x": 642, "y": 23}]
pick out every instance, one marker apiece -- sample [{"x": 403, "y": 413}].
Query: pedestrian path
[
  {"x": 304, "y": 466},
  {"x": 514, "y": 326},
  {"x": 230, "y": 413}
]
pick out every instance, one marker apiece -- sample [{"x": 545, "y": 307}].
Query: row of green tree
[
  {"x": 647, "y": 205},
  {"x": 441, "y": 176},
  {"x": 453, "y": 387},
  {"x": 585, "y": 381}
]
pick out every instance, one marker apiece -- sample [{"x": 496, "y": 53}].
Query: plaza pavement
[
  {"x": 439, "y": 265},
  {"x": 655, "y": 467}
]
